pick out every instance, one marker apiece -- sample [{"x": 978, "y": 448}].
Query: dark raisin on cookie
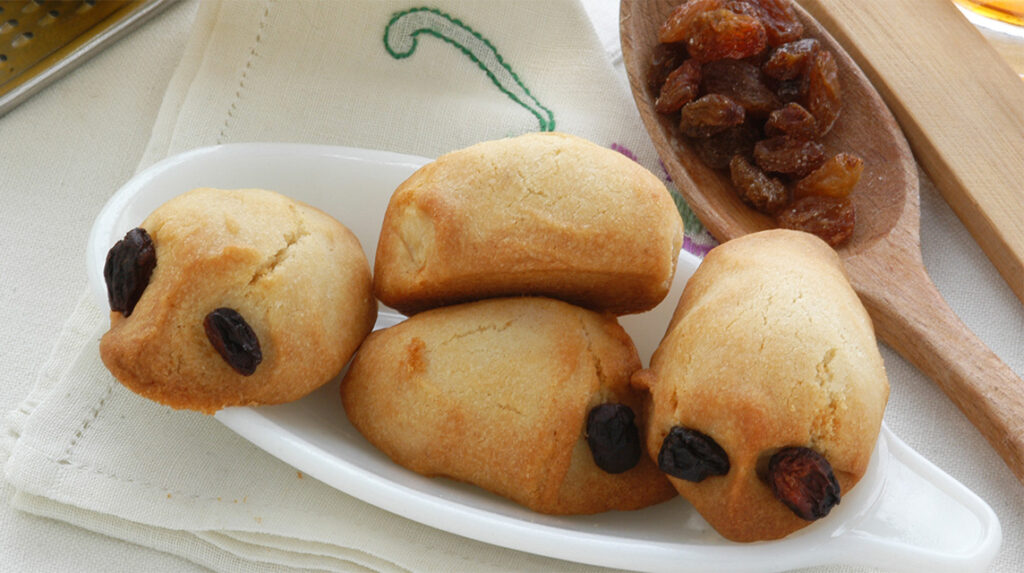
[
  {"x": 613, "y": 437},
  {"x": 803, "y": 480},
  {"x": 691, "y": 455},
  {"x": 234, "y": 340},
  {"x": 129, "y": 264}
]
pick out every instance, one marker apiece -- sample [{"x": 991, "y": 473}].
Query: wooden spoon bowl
[
  {"x": 882, "y": 257},
  {"x": 888, "y": 185}
]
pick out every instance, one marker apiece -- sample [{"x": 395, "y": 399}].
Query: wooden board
[{"x": 959, "y": 103}]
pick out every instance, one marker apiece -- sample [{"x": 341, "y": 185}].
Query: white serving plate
[{"x": 905, "y": 514}]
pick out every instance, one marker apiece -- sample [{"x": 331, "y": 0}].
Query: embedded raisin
[
  {"x": 789, "y": 61},
  {"x": 766, "y": 194},
  {"x": 741, "y": 81},
  {"x": 613, "y": 437},
  {"x": 835, "y": 178},
  {"x": 803, "y": 480},
  {"x": 677, "y": 26},
  {"x": 709, "y": 115},
  {"x": 830, "y": 218},
  {"x": 782, "y": 154},
  {"x": 823, "y": 94},
  {"x": 793, "y": 120},
  {"x": 233, "y": 339},
  {"x": 129, "y": 265},
  {"x": 719, "y": 34},
  {"x": 679, "y": 88},
  {"x": 691, "y": 455},
  {"x": 716, "y": 151}
]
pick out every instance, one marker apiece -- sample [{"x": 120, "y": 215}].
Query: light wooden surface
[
  {"x": 960, "y": 104},
  {"x": 883, "y": 257}
]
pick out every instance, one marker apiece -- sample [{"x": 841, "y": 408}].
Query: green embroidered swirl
[{"x": 401, "y": 36}]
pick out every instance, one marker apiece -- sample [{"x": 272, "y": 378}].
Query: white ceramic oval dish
[{"x": 905, "y": 515}]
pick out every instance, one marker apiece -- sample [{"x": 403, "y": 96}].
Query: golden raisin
[
  {"x": 823, "y": 96},
  {"x": 794, "y": 90},
  {"x": 789, "y": 61},
  {"x": 835, "y": 178},
  {"x": 716, "y": 151},
  {"x": 829, "y": 218},
  {"x": 779, "y": 20},
  {"x": 782, "y": 154},
  {"x": 665, "y": 58},
  {"x": 679, "y": 88},
  {"x": 709, "y": 115},
  {"x": 743, "y": 7},
  {"x": 743, "y": 82},
  {"x": 757, "y": 189},
  {"x": 719, "y": 34},
  {"x": 793, "y": 120},
  {"x": 678, "y": 24}
]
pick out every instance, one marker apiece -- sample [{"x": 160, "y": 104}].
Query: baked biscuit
[
  {"x": 254, "y": 299},
  {"x": 506, "y": 394},
  {"x": 770, "y": 356},
  {"x": 543, "y": 214}
]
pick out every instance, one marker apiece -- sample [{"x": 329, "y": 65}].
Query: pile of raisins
[{"x": 754, "y": 97}]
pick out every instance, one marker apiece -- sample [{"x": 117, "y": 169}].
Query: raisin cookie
[
  {"x": 543, "y": 214},
  {"x": 768, "y": 389},
  {"x": 528, "y": 398},
  {"x": 235, "y": 297}
]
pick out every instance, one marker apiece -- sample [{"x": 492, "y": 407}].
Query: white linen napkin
[{"x": 383, "y": 75}]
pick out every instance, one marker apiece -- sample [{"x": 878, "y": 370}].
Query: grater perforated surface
[{"x": 41, "y": 39}]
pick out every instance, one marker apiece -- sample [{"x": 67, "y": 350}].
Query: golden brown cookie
[
  {"x": 254, "y": 299},
  {"x": 769, "y": 373},
  {"x": 505, "y": 394},
  {"x": 541, "y": 214}
]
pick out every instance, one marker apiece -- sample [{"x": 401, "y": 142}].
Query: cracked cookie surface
[
  {"x": 297, "y": 276},
  {"x": 769, "y": 348}
]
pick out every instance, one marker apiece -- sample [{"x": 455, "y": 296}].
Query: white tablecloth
[{"x": 66, "y": 150}]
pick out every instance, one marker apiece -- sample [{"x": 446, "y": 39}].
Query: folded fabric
[
  {"x": 391, "y": 75},
  {"x": 96, "y": 455}
]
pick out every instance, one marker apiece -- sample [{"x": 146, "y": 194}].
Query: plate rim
[{"x": 600, "y": 548}]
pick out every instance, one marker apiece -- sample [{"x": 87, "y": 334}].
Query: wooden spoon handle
[
  {"x": 912, "y": 317},
  {"x": 960, "y": 105}
]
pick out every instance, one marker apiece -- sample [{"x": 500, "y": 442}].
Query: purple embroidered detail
[
  {"x": 625, "y": 151},
  {"x": 698, "y": 248}
]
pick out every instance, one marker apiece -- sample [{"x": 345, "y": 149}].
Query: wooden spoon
[{"x": 883, "y": 257}]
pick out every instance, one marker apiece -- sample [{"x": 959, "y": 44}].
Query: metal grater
[{"x": 41, "y": 40}]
